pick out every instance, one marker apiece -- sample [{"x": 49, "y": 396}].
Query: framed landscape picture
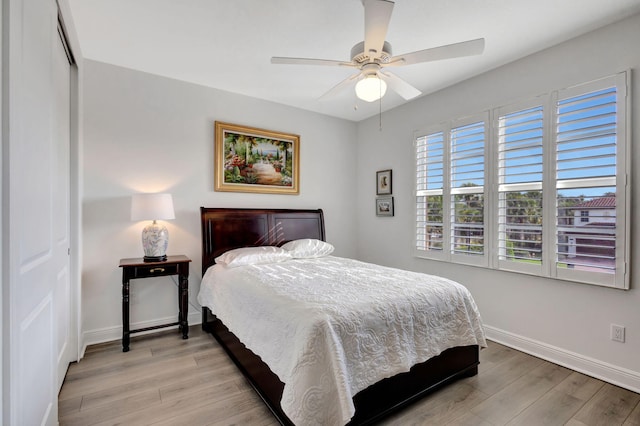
[
  {"x": 384, "y": 206},
  {"x": 247, "y": 159},
  {"x": 383, "y": 182}
]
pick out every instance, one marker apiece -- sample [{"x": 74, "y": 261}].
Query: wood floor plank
[
  {"x": 121, "y": 390},
  {"x": 580, "y": 386},
  {"x": 218, "y": 360},
  {"x": 468, "y": 419},
  {"x": 503, "y": 406},
  {"x": 193, "y": 383},
  {"x": 115, "y": 377},
  {"x": 610, "y": 406},
  {"x": 68, "y": 406},
  {"x": 124, "y": 361},
  {"x": 574, "y": 422},
  {"x": 634, "y": 417},
  {"x": 561, "y": 403},
  {"x": 110, "y": 357},
  {"x": 183, "y": 348},
  {"x": 553, "y": 408},
  {"x": 149, "y": 398},
  {"x": 495, "y": 354},
  {"x": 259, "y": 416},
  {"x": 441, "y": 407},
  {"x": 215, "y": 411},
  {"x": 176, "y": 407},
  {"x": 496, "y": 378}
]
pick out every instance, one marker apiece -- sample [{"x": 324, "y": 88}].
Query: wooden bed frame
[{"x": 226, "y": 229}]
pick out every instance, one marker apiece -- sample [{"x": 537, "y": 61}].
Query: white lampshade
[
  {"x": 155, "y": 236},
  {"x": 371, "y": 88},
  {"x": 152, "y": 207}
]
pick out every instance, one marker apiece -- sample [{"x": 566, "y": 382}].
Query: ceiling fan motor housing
[{"x": 359, "y": 56}]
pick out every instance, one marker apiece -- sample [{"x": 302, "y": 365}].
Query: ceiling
[{"x": 228, "y": 44}]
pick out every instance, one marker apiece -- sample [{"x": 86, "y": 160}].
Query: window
[
  {"x": 520, "y": 169},
  {"x": 590, "y": 183},
  {"x": 541, "y": 186},
  {"x": 450, "y": 201},
  {"x": 584, "y": 216},
  {"x": 467, "y": 189},
  {"x": 430, "y": 178}
]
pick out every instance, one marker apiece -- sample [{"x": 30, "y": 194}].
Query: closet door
[
  {"x": 36, "y": 213},
  {"x": 65, "y": 344}
]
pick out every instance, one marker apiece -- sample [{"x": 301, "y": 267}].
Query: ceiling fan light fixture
[{"x": 371, "y": 88}]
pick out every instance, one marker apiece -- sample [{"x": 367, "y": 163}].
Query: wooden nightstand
[{"x": 137, "y": 268}]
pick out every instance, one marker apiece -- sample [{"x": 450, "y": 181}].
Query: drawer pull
[{"x": 156, "y": 270}]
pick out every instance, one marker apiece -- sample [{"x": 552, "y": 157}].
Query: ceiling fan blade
[
  {"x": 399, "y": 86},
  {"x": 377, "y": 14},
  {"x": 456, "y": 50},
  {"x": 309, "y": 61},
  {"x": 339, "y": 87}
]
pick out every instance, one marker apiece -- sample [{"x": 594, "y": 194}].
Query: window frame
[
  {"x": 508, "y": 265},
  {"x": 549, "y": 186},
  {"x": 584, "y": 218},
  {"x": 467, "y": 259},
  {"x": 442, "y": 254},
  {"x": 446, "y": 253},
  {"x": 621, "y": 278}
]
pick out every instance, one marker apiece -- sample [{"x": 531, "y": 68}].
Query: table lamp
[{"x": 155, "y": 237}]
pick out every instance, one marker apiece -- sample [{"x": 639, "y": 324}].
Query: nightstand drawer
[{"x": 154, "y": 270}]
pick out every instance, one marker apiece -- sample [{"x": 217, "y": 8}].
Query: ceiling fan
[{"x": 374, "y": 53}]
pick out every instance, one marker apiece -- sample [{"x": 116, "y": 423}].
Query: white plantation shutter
[
  {"x": 590, "y": 216},
  {"x": 541, "y": 188},
  {"x": 520, "y": 173},
  {"x": 467, "y": 160},
  {"x": 429, "y": 189}
]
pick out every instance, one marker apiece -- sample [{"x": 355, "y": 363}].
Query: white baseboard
[
  {"x": 613, "y": 374},
  {"x": 111, "y": 334}
]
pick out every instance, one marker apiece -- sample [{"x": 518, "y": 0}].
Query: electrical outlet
[{"x": 617, "y": 333}]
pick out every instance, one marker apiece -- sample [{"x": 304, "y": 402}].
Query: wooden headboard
[{"x": 227, "y": 229}]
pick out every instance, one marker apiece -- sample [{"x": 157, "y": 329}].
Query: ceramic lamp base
[{"x": 155, "y": 239}]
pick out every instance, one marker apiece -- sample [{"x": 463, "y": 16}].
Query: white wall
[
  {"x": 144, "y": 133},
  {"x": 563, "y": 321}
]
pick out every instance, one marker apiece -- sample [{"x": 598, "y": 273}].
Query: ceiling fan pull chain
[{"x": 380, "y": 111}]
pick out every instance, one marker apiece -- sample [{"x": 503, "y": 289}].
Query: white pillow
[
  {"x": 252, "y": 256},
  {"x": 308, "y": 247}
]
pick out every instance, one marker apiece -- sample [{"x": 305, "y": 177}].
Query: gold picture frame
[{"x": 248, "y": 159}]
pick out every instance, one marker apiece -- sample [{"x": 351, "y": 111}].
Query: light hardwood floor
[{"x": 165, "y": 380}]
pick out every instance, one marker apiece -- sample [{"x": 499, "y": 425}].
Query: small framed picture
[
  {"x": 384, "y": 206},
  {"x": 383, "y": 182}
]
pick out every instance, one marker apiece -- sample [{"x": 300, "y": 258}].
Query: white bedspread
[{"x": 330, "y": 327}]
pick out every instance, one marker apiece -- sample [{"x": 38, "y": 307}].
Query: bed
[{"x": 227, "y": 229}]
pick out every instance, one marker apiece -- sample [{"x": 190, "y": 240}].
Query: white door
[
  {"x": 65, "y": 345},
  {"x": 36, "y": 169}
]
